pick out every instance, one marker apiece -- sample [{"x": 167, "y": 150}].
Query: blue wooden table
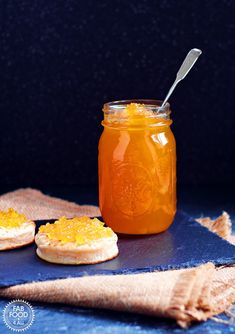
[{"x": 64, "y": 319}]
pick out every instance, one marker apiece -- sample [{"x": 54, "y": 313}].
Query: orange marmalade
[
  {"x": 137, "y": 167},
  {"x": 82, "y": 230},
  {"x": 11, "y": 219}
]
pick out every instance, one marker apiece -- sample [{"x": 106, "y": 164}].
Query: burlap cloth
[
  {"x": 186, "y": 295},
  {"x": 35, "y": 205}
]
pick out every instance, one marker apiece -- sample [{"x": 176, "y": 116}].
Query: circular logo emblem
[
  {"x": 132, "y": 189},
  {"x": 18, "y": 315}
]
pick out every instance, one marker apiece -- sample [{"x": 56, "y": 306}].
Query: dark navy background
[{"x": 61, "y": 60}]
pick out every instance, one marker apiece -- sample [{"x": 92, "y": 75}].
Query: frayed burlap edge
[{"x": 185, "y": 295}]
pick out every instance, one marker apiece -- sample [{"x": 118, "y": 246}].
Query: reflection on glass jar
[{"x": 137, "y": 167}]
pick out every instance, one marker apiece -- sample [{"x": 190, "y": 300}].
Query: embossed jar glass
[{"x": 137, "y": 168}]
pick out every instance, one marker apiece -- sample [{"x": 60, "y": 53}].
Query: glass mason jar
[{"x": 137, "y": 167}]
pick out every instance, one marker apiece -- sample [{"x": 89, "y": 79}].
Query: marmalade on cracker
[
  {"x": 11, "y": 219},
  {"x": 82, "y": 230}
]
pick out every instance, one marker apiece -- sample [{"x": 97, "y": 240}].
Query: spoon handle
[{"x": 186, "y": 66}]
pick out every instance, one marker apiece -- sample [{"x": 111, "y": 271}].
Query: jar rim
[{"x": 151, "y": 104}]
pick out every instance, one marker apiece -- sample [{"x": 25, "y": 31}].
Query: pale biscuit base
[
  {"x": 99, "y": 250},
  {"x": 18, "y": 236}
]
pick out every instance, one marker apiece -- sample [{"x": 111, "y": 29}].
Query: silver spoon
[{"x": 188, "y": 63}]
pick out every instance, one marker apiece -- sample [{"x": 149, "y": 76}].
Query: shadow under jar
[{"x": 137, "y": 167}]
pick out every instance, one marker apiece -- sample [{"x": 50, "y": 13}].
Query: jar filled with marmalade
[{"x": 137, "y": 167}]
